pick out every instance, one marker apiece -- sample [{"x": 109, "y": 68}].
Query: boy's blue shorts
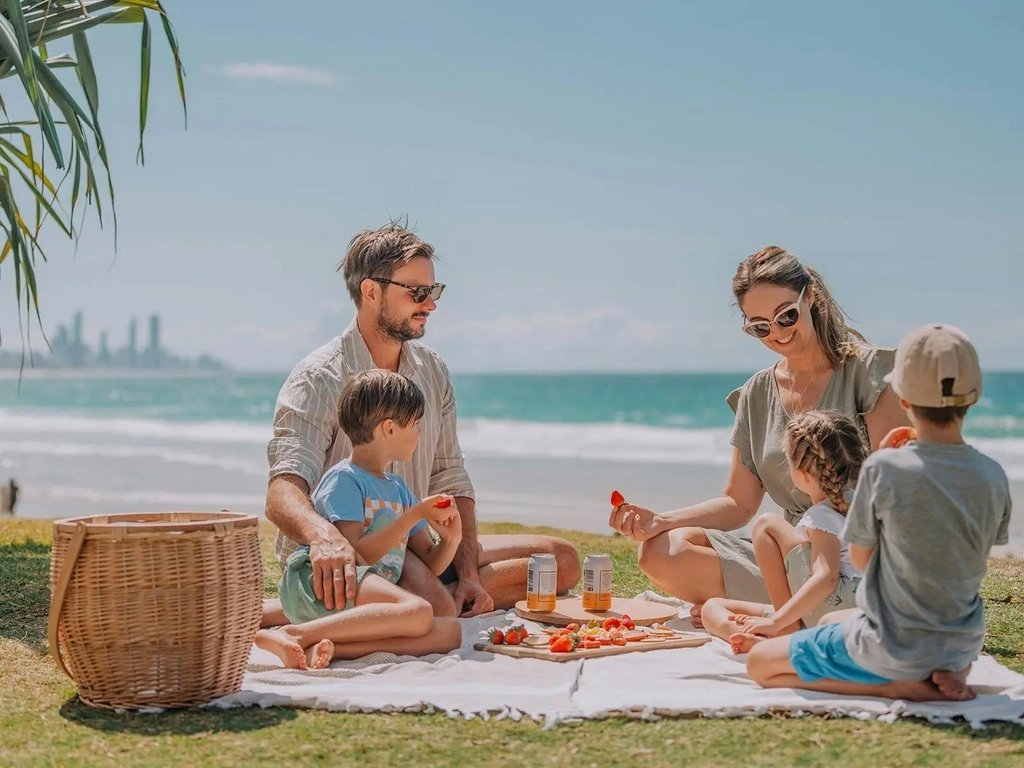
[{"x": 820, "y": 653}]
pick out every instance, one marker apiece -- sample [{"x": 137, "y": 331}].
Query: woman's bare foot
[
  {"x": 698, "y": 623},
  {"x": 282, "y": 645},
  {"x": 954, "y": 684},
  {"x": 320, "y": 655},
  {"x": 742, "y": 642}
]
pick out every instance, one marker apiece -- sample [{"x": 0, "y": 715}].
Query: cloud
[{"x": 278, "y": 73}]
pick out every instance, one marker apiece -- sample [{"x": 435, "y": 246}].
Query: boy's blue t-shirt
[{"x": 347, "y": 493}]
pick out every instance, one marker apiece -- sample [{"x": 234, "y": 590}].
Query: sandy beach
[{"x": 559, "y": 492}]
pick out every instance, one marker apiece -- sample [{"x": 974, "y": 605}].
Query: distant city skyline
[{"x": 69, "y": 349}]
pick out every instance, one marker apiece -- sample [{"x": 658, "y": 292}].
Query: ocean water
[{"x": 86, "y": 443}]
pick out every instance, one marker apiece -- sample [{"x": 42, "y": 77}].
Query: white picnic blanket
[{"x": 709, "y": 681}]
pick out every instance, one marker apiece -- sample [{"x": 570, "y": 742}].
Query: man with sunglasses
[{"x": 389, "y": 274}]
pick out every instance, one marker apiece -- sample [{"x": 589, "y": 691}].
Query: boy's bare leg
[
  {"x": 382, "y": 611},
  {"x": 769, "y": 666},
  {"x": 445, "y": 635},
  {"x": 718, "y": 612},
  {"x": 773, "y": 539}
]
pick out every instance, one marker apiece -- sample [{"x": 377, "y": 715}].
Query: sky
[{"x": 590, "y": 174}]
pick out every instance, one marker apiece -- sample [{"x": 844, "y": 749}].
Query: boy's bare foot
[
  {"x": 698, "y": 623},
  {"x": 954, "y": 684},
  {"x": 320, "y": 655},
  {"x": 742, "y": 642},
  {"x": 918, "y": 690},
  {"x": 282, "y": 645}
]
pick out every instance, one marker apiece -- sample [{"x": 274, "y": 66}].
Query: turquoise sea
[{"x": 79, "y": 444}]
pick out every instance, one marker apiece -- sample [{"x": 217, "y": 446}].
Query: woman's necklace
[{"x": 797, "y": 402}]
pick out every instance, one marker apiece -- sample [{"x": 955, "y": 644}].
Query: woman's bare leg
[
  {"x": 682, "y": 563},
  {"x": 717, "y": 613},
  {"x": 774, "y": 538}
]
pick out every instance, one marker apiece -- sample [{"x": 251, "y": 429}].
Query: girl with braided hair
[{"x": 806, "y": 568}]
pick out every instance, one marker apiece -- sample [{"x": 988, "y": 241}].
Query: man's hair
[
  {"x": 378, "y": 253},
  {"x": 940, "y": 417},
  {"x": 371, "y": 397}
]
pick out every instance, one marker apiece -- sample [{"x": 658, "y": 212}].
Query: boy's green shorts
[{"x": 296, "y": 589}]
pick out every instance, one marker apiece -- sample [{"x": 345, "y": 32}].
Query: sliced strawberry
[
  {"x": 561, "y": 644},
  {"x": 444, "y": 503}
]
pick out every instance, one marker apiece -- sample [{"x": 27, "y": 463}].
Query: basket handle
[{"x": 60, "y": 591}]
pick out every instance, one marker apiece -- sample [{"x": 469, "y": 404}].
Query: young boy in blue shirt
[
  {"x": 375, "y": 510},
  {"x": 923, "y": 520}
]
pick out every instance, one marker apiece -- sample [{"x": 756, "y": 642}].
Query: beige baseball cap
[{"x": 936, "y": 367}]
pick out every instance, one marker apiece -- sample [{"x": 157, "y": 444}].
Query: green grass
[{"x": 43, "y": 723}]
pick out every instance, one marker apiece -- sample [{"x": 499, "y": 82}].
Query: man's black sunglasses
[{"x": 419, "y": 292}]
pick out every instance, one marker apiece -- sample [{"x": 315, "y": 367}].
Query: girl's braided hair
[{"x": 828, "y": 446}]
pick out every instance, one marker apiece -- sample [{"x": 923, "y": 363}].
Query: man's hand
[
  {"x": 334, "y": 571},
  {"x": 473, "y": 594}
]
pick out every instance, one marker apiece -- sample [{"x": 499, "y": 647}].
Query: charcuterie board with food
[{"x": 595, "y": 639}]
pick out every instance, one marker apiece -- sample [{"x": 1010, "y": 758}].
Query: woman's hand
[{"x": 635, "y": 522}]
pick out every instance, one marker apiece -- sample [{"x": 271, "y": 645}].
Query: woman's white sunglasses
[{"x": 786, "y": 317}]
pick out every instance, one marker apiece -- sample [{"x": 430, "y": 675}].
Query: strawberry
[
  {"x": 512, "y": 637},
  {"x": 561, "y": 644},
  {"x": 617, "y": 499},
  {"x": 627, "y": 623},
  {"x": 523, "y": 634},
  {"x": 572, "y": 627},
  {"x": 612, "y": 623},
  {"x": 444, "y": 503},
  {"x": 495, "y": 636}
]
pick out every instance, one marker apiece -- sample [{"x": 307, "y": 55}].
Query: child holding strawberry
[{"x": 377, "y": 513}]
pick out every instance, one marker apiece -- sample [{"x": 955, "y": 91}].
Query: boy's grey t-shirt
[{"x": 933, "y": 512}]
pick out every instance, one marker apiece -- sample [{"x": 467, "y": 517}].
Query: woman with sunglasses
[{"x": 825, "y": 365}]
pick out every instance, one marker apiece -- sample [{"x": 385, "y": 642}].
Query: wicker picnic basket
[{"x": 155, "y": 610}]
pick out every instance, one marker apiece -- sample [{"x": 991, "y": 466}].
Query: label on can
[
  {"x": 541, "y": 583},
  {"x": 597, "y": 583}
]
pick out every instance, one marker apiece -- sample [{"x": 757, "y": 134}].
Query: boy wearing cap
[{"x": 922, "y": 522}]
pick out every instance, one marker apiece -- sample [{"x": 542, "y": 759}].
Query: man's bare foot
[
  {"x": 698, "y": 623},
  {"x": 954, "y": 684},
  {"x": 742, "y": 642},
  {"x": 320, "y": 655},
  {"x": 282, "y": 645}
]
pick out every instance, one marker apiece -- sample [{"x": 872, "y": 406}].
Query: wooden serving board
[
  {"x": 569, "y": 610},
  {"x": 685, "y": 640}
]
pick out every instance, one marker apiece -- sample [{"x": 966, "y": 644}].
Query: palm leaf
[{"x": 26, "y": 28}]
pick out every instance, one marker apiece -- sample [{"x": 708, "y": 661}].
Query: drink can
[
  {"x": 541, "y": 583},
  {"x": 597, "y": 583}
]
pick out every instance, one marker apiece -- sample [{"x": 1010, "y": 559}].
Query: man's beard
[{"x": 399, "y": 330}]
